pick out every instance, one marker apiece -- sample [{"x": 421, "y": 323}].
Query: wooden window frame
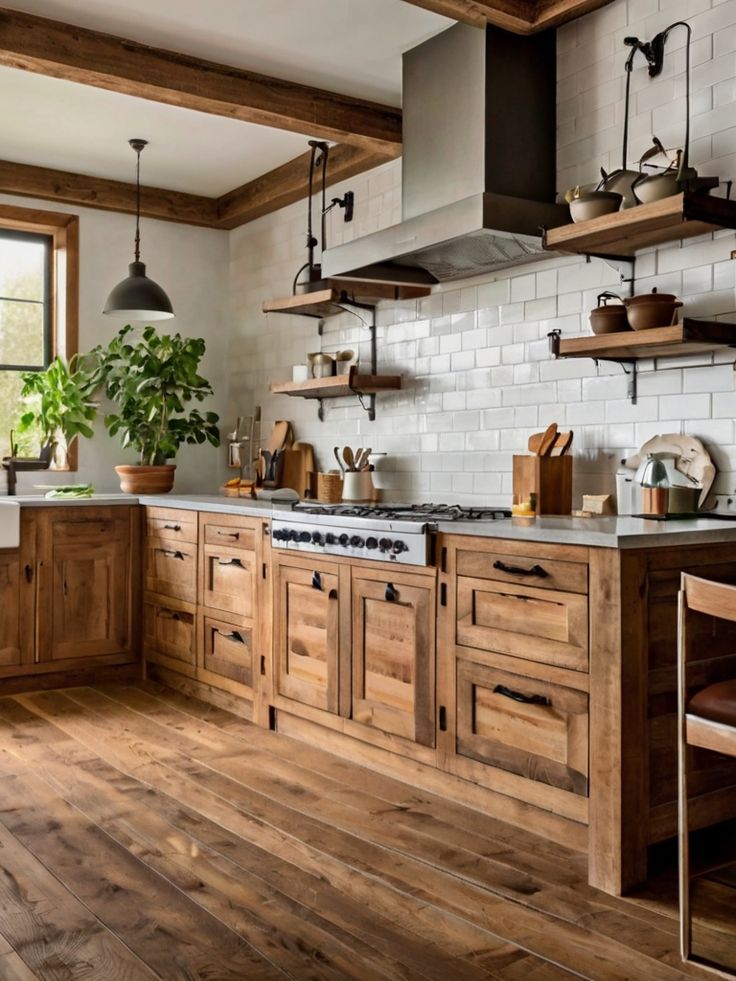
[{"x": 63, "y": 229}]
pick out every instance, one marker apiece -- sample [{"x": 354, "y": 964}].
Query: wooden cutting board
[{"x": 298, "y": 464}]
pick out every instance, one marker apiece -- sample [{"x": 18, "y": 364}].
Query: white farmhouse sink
[{"x": 9, "y": 524}]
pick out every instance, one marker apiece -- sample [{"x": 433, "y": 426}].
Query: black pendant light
[{"x": 137, "y": 297}]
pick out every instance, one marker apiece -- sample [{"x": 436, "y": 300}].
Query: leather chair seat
[{"x": 716, "y": 703}]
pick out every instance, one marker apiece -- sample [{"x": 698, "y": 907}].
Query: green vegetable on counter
[{"x": 70, "y": 491}]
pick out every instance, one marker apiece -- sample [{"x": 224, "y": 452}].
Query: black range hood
[{"x": 478, "y": 164}]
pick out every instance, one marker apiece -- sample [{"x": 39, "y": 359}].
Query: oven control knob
[
  {"x": 357, "y": 542},
  {"x": 304, "y": 536},
  {"x": 399, "y": 547},
  {"x": 371, "y": 543},
  {"x": 343, "y": 540},
  {"x": 385, "y": 544},
  {"x": 329, "y": 538},
  {"x": 278, "y": 534},
  {"x": 316, "y": 538},
  {"x": 293, "y": 535}
]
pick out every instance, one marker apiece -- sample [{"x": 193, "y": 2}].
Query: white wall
[
  {"x": 191, "y": 265},
  {"x": 477, "y": 377}
]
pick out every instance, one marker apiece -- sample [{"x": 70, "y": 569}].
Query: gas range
[{"x": 382, "y": 532}]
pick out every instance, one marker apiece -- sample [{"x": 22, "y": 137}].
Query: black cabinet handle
[
  {"x": 332, "y": 594},
  {"x": 442, "y": 718},
  {"x": 391, "y": 594},
  {"x": 171, "y": 553},
  {"x": 172, "y": 527},
  {"x": 234, "y": 636},
  {"x": 229, "y": 534},
  {"x": 165, "y": 614},
  {"x": 519, "y": 696},
  {"x": 316, "y": 580},
  {"x": 28, "y": 569},
  {"x": 515, "y": 570},
  {"x": 230, "y": 562}
]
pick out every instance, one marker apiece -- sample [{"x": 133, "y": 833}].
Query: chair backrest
[{"x": 716, "y": 599}]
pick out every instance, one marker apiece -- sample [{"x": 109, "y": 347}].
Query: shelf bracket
[
  {"x": 624, "y": 265},
  {"x": 321, "y": 410},
  {"x": 370, "y": 408},
  {"x": 632, "y": 372}
]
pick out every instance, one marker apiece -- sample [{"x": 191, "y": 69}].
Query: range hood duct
[{"x": 479, "y": 162}]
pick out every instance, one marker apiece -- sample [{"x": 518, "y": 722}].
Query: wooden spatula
[
  {"x": 548, "y": 438},
  {"x": 534, "y": 442}
]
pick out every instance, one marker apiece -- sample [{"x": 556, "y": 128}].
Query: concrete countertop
[{"x": 605, "y": 532}]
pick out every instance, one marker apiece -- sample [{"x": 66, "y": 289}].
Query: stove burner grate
[{"x": 399, "y": 512}]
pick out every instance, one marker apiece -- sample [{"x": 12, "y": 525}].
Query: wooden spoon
[
  {"x": 349, "y": 458},
  {"x": 548, "y": 438},
  {"x": 534, "y": 442}
]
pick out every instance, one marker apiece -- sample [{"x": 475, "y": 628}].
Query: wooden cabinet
[
  {"x": 84, "y": 591},
  {"x": 513, "y": 660},
  {"x": 207, "y": 602},
  {"x": 308, "y": 654},
  {"x": 70, "y": 594},
  {"x": 11, "y": 577},
  {"x": 393, "y": 653}
]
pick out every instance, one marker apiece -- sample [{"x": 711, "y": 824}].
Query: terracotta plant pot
[{"x": 146, "y": 480}]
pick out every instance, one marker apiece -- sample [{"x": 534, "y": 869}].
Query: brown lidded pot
[
  {"x": 647, "y": 310},
  {"x": 609, "y": 319}
]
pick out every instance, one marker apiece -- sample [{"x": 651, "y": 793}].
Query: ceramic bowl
[
  {"x": 657, "y": 186},
  {"x": 632, "y": 301},
  {"x": 594, "y": 204}
]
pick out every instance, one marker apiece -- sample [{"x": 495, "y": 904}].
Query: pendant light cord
[{"x": 138, "y": 205}]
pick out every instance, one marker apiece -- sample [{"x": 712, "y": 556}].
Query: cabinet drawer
[
  {"x": 542, "y": 736},
  {"x": 537, "y": 624},
  {"x": 171, "y": 569},
  {"x": 90, "y": 529},
  {"x": 228, "y": 579},
  {"x": 172, "y": 525},
  {"x": 228, "y": 651},
  {"x": 228, "y": 530},
  {"x": 169, "y": 629},
  {"x": 542, "y": 573}
]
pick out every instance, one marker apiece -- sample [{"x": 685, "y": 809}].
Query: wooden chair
[{"x": 707, "y": 720}]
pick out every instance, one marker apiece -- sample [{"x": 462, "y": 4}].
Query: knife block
[{"x": 549, "y": 477}]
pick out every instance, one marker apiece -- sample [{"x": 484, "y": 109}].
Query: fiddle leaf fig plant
[
  {"x": 150, "y": 380},
  {"x": 59, "y": 402}
]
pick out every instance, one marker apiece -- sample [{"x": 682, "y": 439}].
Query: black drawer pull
[
  {"x": 515, "y": 570},
  {"x": 391, "y": 594},
  {"x": 316, "y": 580},
  {"x": 28, "y": 569},
  {"x": 234, "y": 636},
  {"x": 172, "y": 527},
  {"x": 230, "y": 562},
  {"x": 171, "y": 553},
  {"x": 165, "y": 614},
  {"x": 332, "y": 594},
  {"x": 519, "y": 696},
  {"x": 229, "y": 534}
]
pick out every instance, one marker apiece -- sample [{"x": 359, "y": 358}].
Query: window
[{"x": 38, "y": 303}]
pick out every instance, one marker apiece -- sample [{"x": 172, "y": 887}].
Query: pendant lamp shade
[{"x": 137, "y": 297}]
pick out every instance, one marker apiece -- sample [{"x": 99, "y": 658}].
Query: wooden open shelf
[
  {"x": 626, "y": 232},
  {"x": 327, "y": 302},
  {"x": 689, "y": 337},
  {"x": 337, "y": 386}
]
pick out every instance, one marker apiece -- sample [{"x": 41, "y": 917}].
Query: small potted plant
[
  {"x": 149, "y": 380},
  {"x": 59, "y": 408}
]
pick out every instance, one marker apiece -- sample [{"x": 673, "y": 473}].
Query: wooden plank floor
[{"x": 144, "y": 834}]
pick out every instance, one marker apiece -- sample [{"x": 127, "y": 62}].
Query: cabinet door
[
  {"x": 169, "y": 629},
  {"x": 307, "y": 634},
  {"x": 171, "y": 568},
  {"x": 10, "y": 621},
  {"x": 228, "y": 651},
  {"x": 89, "y": 600},
  {"x": 394, "y": 654},
  {"x": 527, "y": 726},
  {"x": 229, "y": 579}
]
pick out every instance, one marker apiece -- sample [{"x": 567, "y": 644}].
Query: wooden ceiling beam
[
  {"x": 288, "y": 183},
  {"x": 106, "y": 195},
  {"x": 518, "y": 16},
  {"x": 77, "y": 54},
  {"x": 269, "y": 192}
]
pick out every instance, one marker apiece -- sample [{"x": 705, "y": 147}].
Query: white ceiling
[{"x": 349, "y": 46}]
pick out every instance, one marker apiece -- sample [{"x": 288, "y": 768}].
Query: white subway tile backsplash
[{"x": 477, "y": 375}]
